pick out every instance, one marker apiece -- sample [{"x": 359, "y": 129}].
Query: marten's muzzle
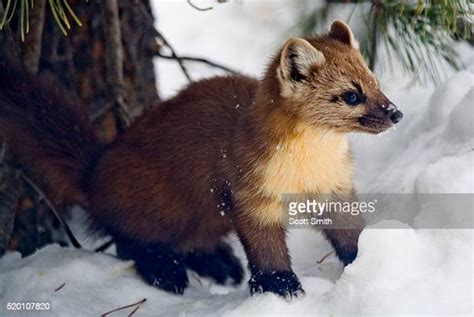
[
  {"x": 380, "y": 117},
  {"x": 392, "y": 112}
]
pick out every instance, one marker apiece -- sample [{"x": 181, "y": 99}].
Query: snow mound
[{"x": 403, "y": 271}]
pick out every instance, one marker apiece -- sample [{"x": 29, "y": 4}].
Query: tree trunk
[
  {"x": 85, "y": 65},
  {"x": 9, "y": 194},
  {"x": 79, "y": 61}
]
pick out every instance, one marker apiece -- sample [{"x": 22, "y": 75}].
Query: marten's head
[{"x": 325, "y": 81}]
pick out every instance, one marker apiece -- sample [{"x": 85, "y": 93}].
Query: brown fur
[
  {"x": 50, "y": 136},
  {"x": 163, "y": 180},
  {"x": 220, "y": 154}
]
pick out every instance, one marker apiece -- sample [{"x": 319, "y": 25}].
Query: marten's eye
[{"x": 353, "y": 98}]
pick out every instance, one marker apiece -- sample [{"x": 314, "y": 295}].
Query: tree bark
[
  {"x": 114, "y": 61},
  {"x": 32, "y": 46},
  {"x": 97, "y": 68},
  {"x": 9, "y": 195}
]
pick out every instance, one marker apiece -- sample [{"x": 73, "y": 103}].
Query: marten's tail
[{"x": 47, "y": 134}]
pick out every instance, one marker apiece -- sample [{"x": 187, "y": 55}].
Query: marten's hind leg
[
  {"x": 157, "y": 263},
  {"x": 219, "y": 264}
]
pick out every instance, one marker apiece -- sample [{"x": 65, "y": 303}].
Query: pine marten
[{"x": 215, "y": 158}]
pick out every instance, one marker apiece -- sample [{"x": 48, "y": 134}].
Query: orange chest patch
[{"x": 312, "y": 161}]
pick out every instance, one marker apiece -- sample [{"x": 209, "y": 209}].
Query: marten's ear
[
  {"x": 343, "y": 33},
  {"x": 297, "y": 58}
]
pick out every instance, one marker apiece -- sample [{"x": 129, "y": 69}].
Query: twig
[
  {"x": 167, "y": 44},
  {"x": 57, "y": 289},
  {"x": 324, "y": 257},
  {"x": 200, "y": 60},
  {"x": 175, "y": 56},
  {"x": 114, "y": 58},
  {"x": 104, "y": 246},
  {"x": 61, "y": 220},
  {"x": 125, "y": 307},
  {"x": 198, "y": 8},
  {"x": 196, "y": 277},
  {"x": 134, "y": 311}
]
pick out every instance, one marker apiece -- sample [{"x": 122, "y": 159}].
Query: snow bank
[{"x": 398, "y": 271}]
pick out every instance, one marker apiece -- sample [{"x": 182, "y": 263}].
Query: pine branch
[
  {"x": 61, "y": 11},
  {"x": 419, "y": 33},
  {"x": 11, "y": 45}
]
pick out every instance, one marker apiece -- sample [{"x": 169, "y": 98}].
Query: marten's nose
[
  {"x": 396, "y": 116},
  {"x": 393, "y": 113}
]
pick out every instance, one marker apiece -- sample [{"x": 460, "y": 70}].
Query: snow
[{"x": 399, "y": 270}]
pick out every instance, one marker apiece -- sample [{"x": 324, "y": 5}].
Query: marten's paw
[
  {"x": 285, "y": 284},
  {"x": 221, "y": 265},
  {"x": 167, "y": 273},
  {"x": 157, "y": 263}
]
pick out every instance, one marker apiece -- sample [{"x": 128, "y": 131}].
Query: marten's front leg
[
  {"x": 267, "y": 253},
  {"x": 219, "y": 264},
  {"x": 157, "y": 263},
  {"x": 344, "y": 233},
  {"x": 344, "y": 242}
]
